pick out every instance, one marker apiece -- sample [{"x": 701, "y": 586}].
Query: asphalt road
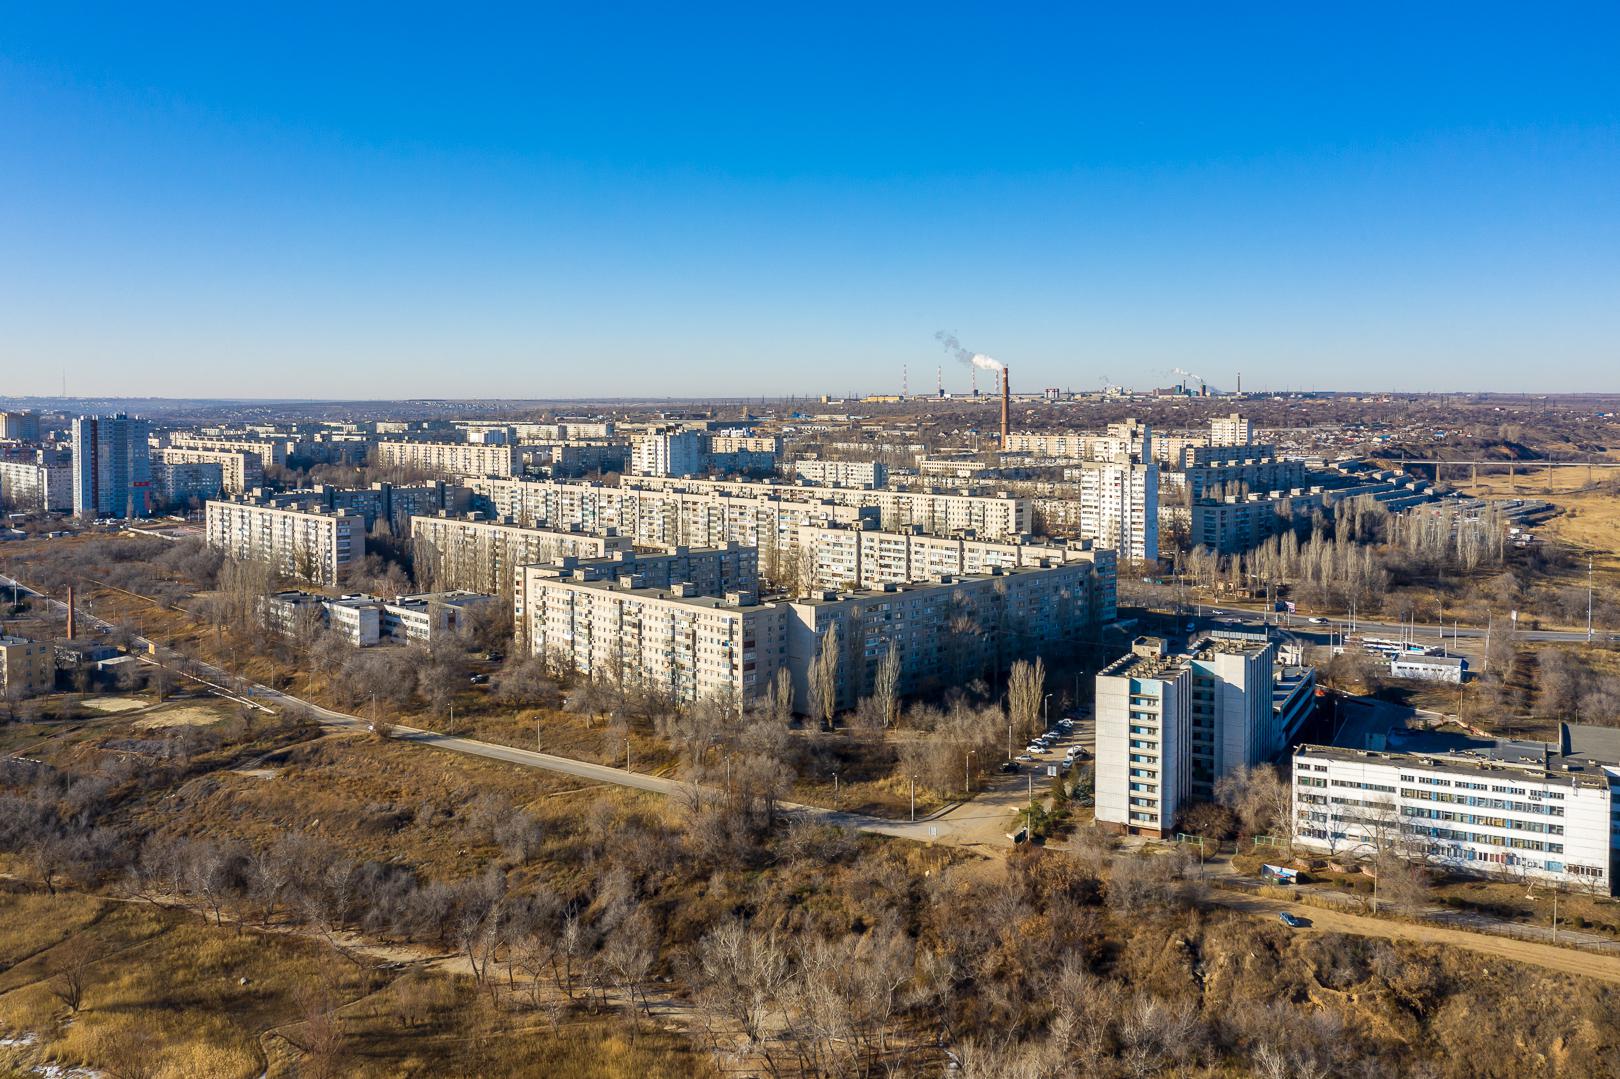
[{"x": 1425, "y": 633}]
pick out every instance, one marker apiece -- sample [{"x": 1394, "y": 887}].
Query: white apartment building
[
  {"x": 741, "y": 453},
  {"x": 1117, "y": 506},
  {"x": 1124, "y": 441},
  {"x": 672, "y": 641},
  {"x": 993, "y": 516},
  {"x": 668, "y": 517},
  {"x": 240, "y": 470},
  {"x": 943, "y": 632},
  {"x": 667, "y": 453},
  {"x": 1171, "y": 724},
  {"x": 37, "y": 486},
  {"x": 1522, "y": 809},
  {"x": 856, "y": 558},
  {"x": 1232, "y": 430},
  {"x": 477, "y": 555},
  {"x": 714, "y": 571},
  {"x": 841, "y": 473},
  {"x": 312, "y": 546},
  {"x": 448, "y": 459},
  {"x": 269, "y": 451},
  {"x": 1144, "y": 739},
  {"x": 20, "y": 426}
]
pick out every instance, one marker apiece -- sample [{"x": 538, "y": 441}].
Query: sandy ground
[
  {"x": 114, "y": 704},
  {"x": 180, "y": 715}
]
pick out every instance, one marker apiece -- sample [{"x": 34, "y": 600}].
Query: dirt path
[{"x": 1564, "y": 960}]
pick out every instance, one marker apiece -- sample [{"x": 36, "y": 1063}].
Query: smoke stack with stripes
[{"x": 1006, "y": 407}]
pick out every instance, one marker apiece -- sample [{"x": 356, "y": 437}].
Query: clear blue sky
[{"x": 454, "y": 202}]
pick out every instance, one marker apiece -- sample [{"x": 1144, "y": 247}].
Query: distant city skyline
[{"x": 674, "y": 204}]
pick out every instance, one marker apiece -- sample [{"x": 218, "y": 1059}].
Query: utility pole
[
  {"x": 914, "y": 799},
  {"x": 1588, "y": 641}
]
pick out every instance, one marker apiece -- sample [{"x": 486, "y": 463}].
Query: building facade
[
  {"x": 1172, "y": 723},
  {"x": 476, "y": 555},
  {"x": 112, "y": 466},
  {"x": 37, "y": 485},
  {"x": 240, "y": 470},
  {"x": 181, "y": 482},
  {"x": 27, "y": 668},
  {"x": 1529, "y": 810},
  {"x": 319, "y": 547},
  {"x": 841, "y": 473},
  {"x": 448, "y": 459}
]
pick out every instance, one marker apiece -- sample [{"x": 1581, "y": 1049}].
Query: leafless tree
[
  {"x": 1026, "y": 685},
  {"x": 824, "y": 678}
]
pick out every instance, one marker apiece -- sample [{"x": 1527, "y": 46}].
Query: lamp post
[
  {"x": 914, "y": 799},
  {"x": 967, "y": 775},
  {"x": 1046, "y": 710}
]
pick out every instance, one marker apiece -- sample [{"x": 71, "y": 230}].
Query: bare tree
[
  {"x": 824, "y": 678},
  {"x": 886, "y": 687},
  {"x": 68, "y": 983},
  {"x": 1026, "y": 685}
]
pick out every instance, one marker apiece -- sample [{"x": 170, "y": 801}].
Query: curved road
[{"x": 971, "y": 823}]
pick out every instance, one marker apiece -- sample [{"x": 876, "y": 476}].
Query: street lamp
[
  {"x": 1046, "y": 709},
  {"x": 967, "y": 775},
  {"x": 913, "y": 799}
]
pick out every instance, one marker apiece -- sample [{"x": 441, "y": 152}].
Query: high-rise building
[
  {"x": 1230, "y": 430},
  {"x": 667, "y": 453},
  {"x": 20, "y": 426},
  {"x": 311, "y": 546},
  {"x": 1171, "y": 724},
  {"x": 112, "y": 468}
]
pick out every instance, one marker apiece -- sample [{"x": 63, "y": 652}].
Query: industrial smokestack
[
  {"x": 1006, "y": 402},
  {"x": 70, "y": 613}
]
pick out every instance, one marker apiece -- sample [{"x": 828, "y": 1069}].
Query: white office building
[{"x": 1521, "y": 809}]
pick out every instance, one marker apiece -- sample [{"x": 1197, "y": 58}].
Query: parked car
[{"x": 1009, "y": 766}]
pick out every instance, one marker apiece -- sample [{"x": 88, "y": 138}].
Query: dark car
[
  {"x": 1009, "y": 766},
  {"x": 1293, "y": 921}
]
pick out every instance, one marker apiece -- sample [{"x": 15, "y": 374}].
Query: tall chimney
[
  {"x": 70, "y": 613},
  {"x": 1006, "y": 401}
]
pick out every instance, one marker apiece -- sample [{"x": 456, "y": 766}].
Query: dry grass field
[{"x": 165, "y": 996}]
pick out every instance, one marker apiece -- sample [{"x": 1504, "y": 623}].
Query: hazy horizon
[{"x": 656, "y": 205}]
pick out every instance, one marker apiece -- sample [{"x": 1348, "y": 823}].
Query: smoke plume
[{"x": 965, "y": 355}]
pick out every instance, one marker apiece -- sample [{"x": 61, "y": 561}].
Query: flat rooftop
[{"x": 1582, "y": 751}]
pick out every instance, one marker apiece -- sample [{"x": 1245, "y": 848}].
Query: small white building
[{"x": 1428, "y": 668}]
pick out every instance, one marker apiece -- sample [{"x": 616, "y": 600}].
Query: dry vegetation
[{"x": 396, "y": 911}]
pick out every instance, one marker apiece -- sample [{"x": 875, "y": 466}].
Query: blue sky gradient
[{"x": 412, "y": 202}]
